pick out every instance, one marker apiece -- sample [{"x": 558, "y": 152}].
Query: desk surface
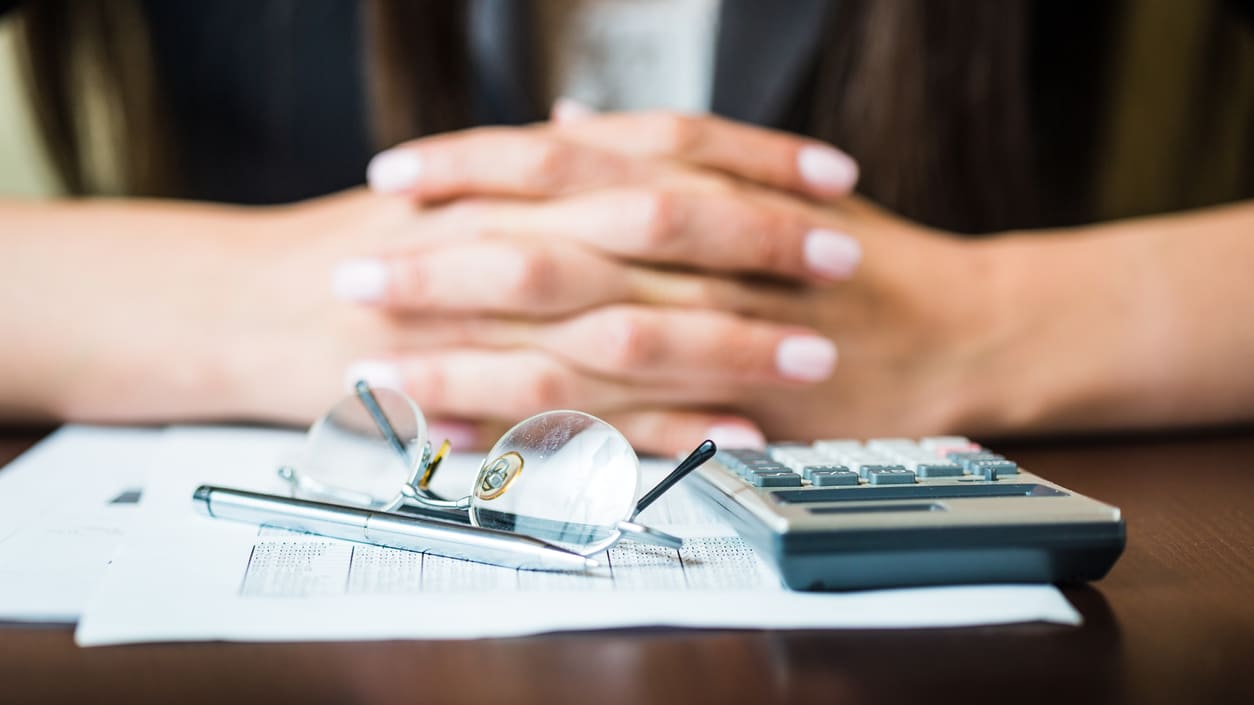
[{"x": 1172, "y": 623}]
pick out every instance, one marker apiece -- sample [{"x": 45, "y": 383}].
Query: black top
[{"x": 277, "y": 112}]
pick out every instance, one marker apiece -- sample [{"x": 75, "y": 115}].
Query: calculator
[{"x": 892, "y": 512}]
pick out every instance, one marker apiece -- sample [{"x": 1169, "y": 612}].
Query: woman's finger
[
  {"x": 704, "y": 229},
  {"x": 539, "y": 279},
  {"x": 515, "y": 277},
  {"x": 648, "y": 344},
  {"x": 770, "y": 157},
  {"x": 717, "y": 230},
  {"x": 530, "y": 162},
  {"x": 635, "y": 344},
  {"x": 510, "y": 385}
]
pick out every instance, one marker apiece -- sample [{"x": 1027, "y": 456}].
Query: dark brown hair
[
  {"x": 931, "y": 98},
  {"x": 69, "y": 45},
  {"x": 936, "y": 99}
]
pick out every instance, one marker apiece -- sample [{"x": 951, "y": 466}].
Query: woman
[{"x": 681, "y": 276}]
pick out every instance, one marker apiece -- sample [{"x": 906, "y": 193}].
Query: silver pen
[{"x": 410, "y": 533}]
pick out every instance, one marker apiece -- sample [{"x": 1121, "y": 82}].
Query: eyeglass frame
[{"x": 415, "y": 495}]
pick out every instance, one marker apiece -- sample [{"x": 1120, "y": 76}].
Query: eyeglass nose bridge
[{"x": 417, "y": 487}]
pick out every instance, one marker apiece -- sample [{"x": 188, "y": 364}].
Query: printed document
[
  {"x": 63, "y": 508},
  {"x": 183, "y": 576}
]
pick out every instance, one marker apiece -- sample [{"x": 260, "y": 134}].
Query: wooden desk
[{"x": 1173, "y": 623}]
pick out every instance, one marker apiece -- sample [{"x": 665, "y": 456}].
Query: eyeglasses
[{"x": 563, "y": 477}]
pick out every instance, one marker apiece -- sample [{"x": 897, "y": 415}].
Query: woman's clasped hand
[{"x": 683, "y": 277}]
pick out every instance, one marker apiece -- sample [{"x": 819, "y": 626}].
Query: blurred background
[
  {"x": 1180, "y": 89},
  {"x": 24, "y": 170}
]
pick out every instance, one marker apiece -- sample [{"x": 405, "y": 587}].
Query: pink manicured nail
[
  {"x": 362, "y": 280},
  {"x": 832, "y": 254},
  {"x": 735, "y": 437},
  {"x": 827, "y": 170},
  {"x": 376, "y": 373},
  {"x": 567, "y": 110},
  {"x": 393, "y": 171},
  {"x": 806, "y": 358},
  {"x": 462, "y": 436}
]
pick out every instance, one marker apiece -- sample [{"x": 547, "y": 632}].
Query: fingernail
[
  {"x": 806, "y": 358},
  {"x": 735, "y": 437},
  {"x": 832, "y": 254},
  {"x": 394, "y": 170},
  {"x": 376, "y": 373},
  {"x": 462, "y": 436},
  {"x": 361, "y": 280},
  {"x": 568, "y": 110},
  {"x": 827, "y": 169}
]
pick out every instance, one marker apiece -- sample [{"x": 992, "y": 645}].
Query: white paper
[
  {"x": 63, "y": 508},
  {"x": 182, "y": 576}
]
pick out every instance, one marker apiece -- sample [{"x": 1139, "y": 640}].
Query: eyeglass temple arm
[
  {"x": 704, "y": 452},
  {"x": 380, "y": 419}
]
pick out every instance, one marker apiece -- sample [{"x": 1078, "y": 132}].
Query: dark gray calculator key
[
  {"x": 966, "y": 460},
  {"x": 971, "y": 464},
  {"x": 810, "y": 469},
  {"x": 960, "y": 456},
  {"x": 1004, "y": 467},
  {"x": 774, "y": 467},
  {"x": 928, "y": 471},
  {"x": 993, "y": 469},
  {"x": 833, "y": 478},
  {"x": 774, "y": 479},
  {"x": 890, "y": 475},
  {"x": 865, "y": 469}
]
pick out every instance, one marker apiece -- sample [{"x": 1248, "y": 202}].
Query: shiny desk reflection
[{"x": 1172, "y": 623}]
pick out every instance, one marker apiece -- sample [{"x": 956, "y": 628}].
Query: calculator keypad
[{"x": 878, "y": 462}]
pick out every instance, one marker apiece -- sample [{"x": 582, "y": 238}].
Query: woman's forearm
[
  {"x": 113, "y": 310},
  {"x": 1141, "y": 323}
]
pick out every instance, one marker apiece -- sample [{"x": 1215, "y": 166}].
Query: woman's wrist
[{"x": 1065, "y": 335}]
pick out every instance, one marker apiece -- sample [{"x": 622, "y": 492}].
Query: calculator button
[
  {"x": 993, "y": 469},
  {"x": 969, "y": 460},
  {"x": 865, "y": 469},
  {"x": 749, "y": 472},
  {"x": 809, "y": 470},
  {"x": 1005, "y": 467},
  {"x": 833, "y": 478},
  {"x": 935, "y": 470},
  {"x": 774, "y": 479},
  {"x": 890, "y": 475},
  {"x": 766, "y": 467},
  {"x": 959, "y": 456}
]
